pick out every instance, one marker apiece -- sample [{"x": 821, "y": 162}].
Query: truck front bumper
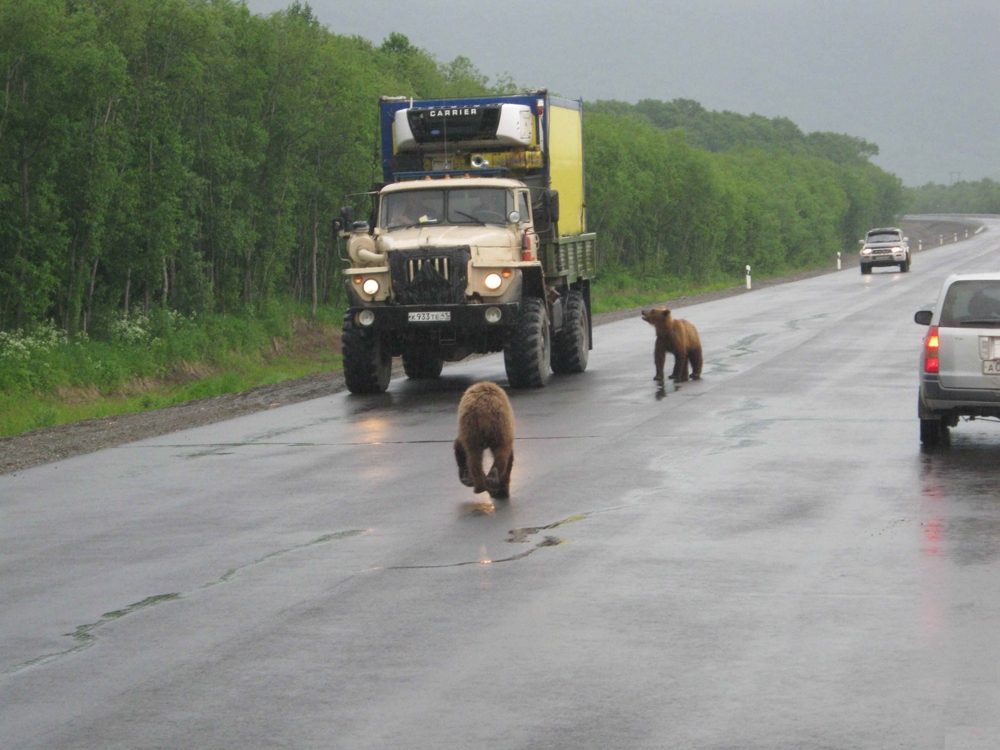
[{"x": 424, "y": 317}]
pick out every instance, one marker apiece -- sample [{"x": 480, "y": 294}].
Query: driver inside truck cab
[{"x": 411, "y": 208}]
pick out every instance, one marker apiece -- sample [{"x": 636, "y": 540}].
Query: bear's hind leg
[
  {"x": 680, "y": 368},
  {"x": 463, "y": 467},
  {"x": 475, "y": 464},
  {"x": 696, "y": 363},
  {"x": 500, "y": 474}
]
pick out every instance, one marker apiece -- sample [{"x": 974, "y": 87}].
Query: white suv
[
  {"x": 885, "y": 247},
  {"x": 960, "y": 364}
]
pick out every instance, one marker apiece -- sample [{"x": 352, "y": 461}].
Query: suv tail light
[{"x": 931, "y": 345}]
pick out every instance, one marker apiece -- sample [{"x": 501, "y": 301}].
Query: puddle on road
[
  {"x": 663, "y": 390},
  {"x": 961, "y": 510},
  {"x": 473, "y": 509},
  {"x": 520, "y": 536}
]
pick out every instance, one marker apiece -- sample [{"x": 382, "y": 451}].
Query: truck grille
[
  {"x": 441, "y": 265},
  {"x": 429, "y": 276}
]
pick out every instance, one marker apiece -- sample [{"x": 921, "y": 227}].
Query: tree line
[
  {"x": 965, "y": 197},
  {"x": 676, "y": 189},
  {"x": 184, "y": 153},
  {"x": 190, "y": 155}
]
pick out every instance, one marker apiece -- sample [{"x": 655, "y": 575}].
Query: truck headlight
[
  {"x": 370, "y": 286},
  {"x": 493, "y": 281},
  {"x": 366, "y": 317}
]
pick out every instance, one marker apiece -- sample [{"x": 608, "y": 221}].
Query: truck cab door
[{"x": 529, "y": 238}]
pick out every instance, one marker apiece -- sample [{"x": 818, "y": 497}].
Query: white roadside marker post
[
  {"x": 940, "y": 239},
  {"x": 920, "y": 245},
  {"x": 748, "y": 277},
  {"x": 838, "y": 261},
  {"x": 956, "y": 236},
  {"x": 966, "y": 234}
]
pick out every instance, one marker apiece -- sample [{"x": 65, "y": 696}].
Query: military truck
[{"x": 476, "y": 242}]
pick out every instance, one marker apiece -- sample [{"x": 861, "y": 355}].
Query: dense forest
[
  {"x": 189, "y": 155},
  {"x": 982, "y": 197}
]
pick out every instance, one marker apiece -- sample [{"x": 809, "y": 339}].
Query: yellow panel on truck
[{"x": 565, "y": 149}]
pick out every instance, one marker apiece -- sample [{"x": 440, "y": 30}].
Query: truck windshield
[
  {"x": 413, "y": 208},
  {"x": 971, "y": 304},
  {"x": 479, "y": 205}
]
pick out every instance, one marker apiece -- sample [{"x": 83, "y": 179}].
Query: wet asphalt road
[{"x": 763, "y": 559}]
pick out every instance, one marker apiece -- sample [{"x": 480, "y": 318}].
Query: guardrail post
[{"x": 748, "y": 277}]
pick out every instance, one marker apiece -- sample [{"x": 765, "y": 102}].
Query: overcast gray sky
[{"x": 921, "y": 78}]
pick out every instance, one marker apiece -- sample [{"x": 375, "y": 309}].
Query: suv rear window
[{"x": 971, "y": 304}]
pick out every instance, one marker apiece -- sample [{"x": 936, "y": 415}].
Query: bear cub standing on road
[
  {"x": 485, "y": 420},
  {"x": 680, "y": 338}
]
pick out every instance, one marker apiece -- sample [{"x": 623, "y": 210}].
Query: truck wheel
[
  {"x": 865, "y": 269},
  {"x": 367, "y": 359},
  {"x": 571, "y": 345},
  {"x": 527, "y": 354},
  {"x": 422, "y": 365}
]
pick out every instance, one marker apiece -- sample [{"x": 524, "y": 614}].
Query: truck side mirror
[
  {"x": 923, "y": 317},
  {"x": 346, "y": 216}
]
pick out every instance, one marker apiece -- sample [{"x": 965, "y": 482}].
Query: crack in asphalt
[
  {"x": 742, "y": 349},
  {"x": 216, "y": 449},
  {"x": 84, "y": 636},
  {"x": 517, "y": 536},
  {"x": 794, "y": 325},
  {"x": 319, "y": 540},
  {"x": 749, "y": 427}
]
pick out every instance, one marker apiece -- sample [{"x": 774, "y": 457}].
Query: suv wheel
[
  {"x": 367, "y": 359},
  {"x": 933, "y": 432},
  {"x": 422, "y": 365},
  {"x": 571, "y": 344},
  {"x": 866, "y": 269},
  {"x": 904, "y": 267},
  {"x": 528, "y": 351}
]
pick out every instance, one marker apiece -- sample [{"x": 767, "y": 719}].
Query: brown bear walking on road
[
  {"x": 680, "y": 338},
  {"x": 485, "y": 421}
]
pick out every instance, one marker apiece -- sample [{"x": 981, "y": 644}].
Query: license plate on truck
[
  {"x": 429, "y": 317},
  {"x": 991, "y": 367}
]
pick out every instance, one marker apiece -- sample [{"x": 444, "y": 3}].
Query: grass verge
[{"x": 154, "y": 361}]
